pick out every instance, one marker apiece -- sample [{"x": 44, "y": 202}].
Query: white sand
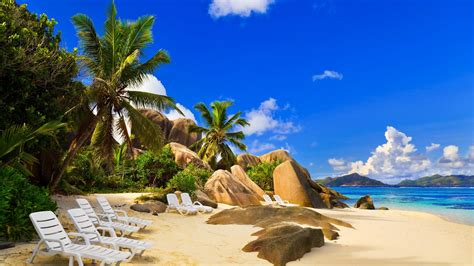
[{"x": 381, "y": 237}]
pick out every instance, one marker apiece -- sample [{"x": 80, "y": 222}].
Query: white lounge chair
[
  {"x": 84, "y": 225},
  {"x": 173, "y": 204},
  {"x": 52, "y": 234},
  {"x": 283, "y": 203},
  {"x": 113, "y": 214},
  {"x": 186, "y": 201},
  {"x": 268, "y": 200},
  {"x": 124, "y": 229}
]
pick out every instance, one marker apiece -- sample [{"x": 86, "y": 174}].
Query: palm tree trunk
[{"x": 74, "y": 147}]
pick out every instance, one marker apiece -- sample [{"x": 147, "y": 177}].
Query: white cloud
[
  {"x": 263, "y": 120},
  {"x": 278, "y": 137},
  {"x": 152, "y": 84},
  {"x": 258, "y": 147},
  {"x": 243, "y": 8},
  {"x": 432, "y": 147},
  {"x": 452, "y": 160},
  {"x": 328, "y": 74},
  {"x": 339, "y": 165},
  {"x": 394, "y": 159},
  {"x": 173, "y": 114}
]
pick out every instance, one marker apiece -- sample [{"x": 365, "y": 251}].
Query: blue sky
[{"x": 328, "y": 80}]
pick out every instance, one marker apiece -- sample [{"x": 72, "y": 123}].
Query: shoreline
[{"x": 379, "y": 238}]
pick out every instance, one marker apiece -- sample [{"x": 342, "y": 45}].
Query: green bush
[
  {"x": 200, "y": 174},
  {"x": 19, "y": 198},
  {"x": 156, "y": 168},
  {"x": 183, "y": 181},
  {"x": 262, "y": 174}
]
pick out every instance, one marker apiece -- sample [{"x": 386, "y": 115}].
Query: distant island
[
  {"x": 351, "y": 180},
  {"x": 440, "y": 181}
]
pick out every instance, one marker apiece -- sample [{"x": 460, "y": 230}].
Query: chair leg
[
  {"x": 35, "y": 251},
  {"x": 71, "y": 261}
]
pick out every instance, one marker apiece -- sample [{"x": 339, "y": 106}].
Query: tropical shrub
[
  {"x": 183, "y": 181},
  {"x": 19, "y": 198},
  {"x": 262, "y": 174},
  {"x": 155, "y": 169},
  {"x": 200, "y": 174}
]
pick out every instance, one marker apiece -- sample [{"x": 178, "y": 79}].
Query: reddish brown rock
[
  {"x": 239, "y": 172},
  {"x": 247, "y": 160},
  {"x": 184, "y": 156},
  {"x": 365, "y": 202},
  {"x": 276, "y": 156}
]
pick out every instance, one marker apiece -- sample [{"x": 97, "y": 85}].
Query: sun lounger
[
  {"x": 124, "y": 229},
  {"x": 283, "y": 203},
  {"x": 57, "y": 242},
  {"x": 173, "y": 204},
  {"x": 268, "y": 200},
  {"x": 186, "y": 201},
  {"x": 84, "y": 225},
  {"x": 114, "y": 214}
]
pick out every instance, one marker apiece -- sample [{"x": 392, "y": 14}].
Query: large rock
[
  {"x": 239, "y": 172},
  {"x": 173, "y": 130},
  {"x": 184, "y": 156},
  {"x": 247, "y": 160},
  {"x": 204, "y": 199},
  {"x": 153, "y": 207},
  {"x": 329, "y": 196},
  {"x": 224, "y": 187},
  {"x": 285, "y": 242},
  {"x": 276, "y": 156},
  {"x": 365, "y": 202},
  {"x": 291, "y": 182}
]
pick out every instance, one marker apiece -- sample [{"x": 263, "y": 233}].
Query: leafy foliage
[
  {"x": 19, "y": 198},
  {"x": 262, "y": 174},
  {"x": 156, "y": 168},
  {"x": 217, "y": 135},
  {"x": 200, "y": 174},
  {"x": 183, "y": 181}
]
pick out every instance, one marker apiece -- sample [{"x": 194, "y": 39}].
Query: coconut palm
[
  {"x": 217, "y": 136},
  {"x": 13, "y": 140},
  {"x": 112, "y": 62}
]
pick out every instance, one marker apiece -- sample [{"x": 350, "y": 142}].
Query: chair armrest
[
  {"x": 198, "y": 203},
  {"x": 83, "y": 236},
  {"x": 121, "y": 211},
  {"x": 108, "y": 229},
  {"x": 108, "y": 216}
]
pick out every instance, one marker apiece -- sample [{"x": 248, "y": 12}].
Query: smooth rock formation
[
  {"x": 239, "y": 172},
  {"x": 224, "y": 187},
  {"x": 204, "y": 199},
  {"x": 291, "y": 182},
  {"x": 285, "y": 242},
  {"x": 330, "y": 197},
  {"x": 173, "y": 130},
  {"x": 277, "y": 155},
  {"x": 184, "y": 156},
  {"x": 365, "y": 202},
  {"x": 382, "y": 208},
  {"x": 247, "y": 160},
  {"x": 153, "y": 207}
]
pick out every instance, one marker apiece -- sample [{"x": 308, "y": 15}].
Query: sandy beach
[{"x": 390, "y": 237}]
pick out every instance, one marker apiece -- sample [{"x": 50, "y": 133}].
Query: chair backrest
[
  {"x": 186, "y": 199},
  {"x": 47, "y": 226},
  {"x": 267, "y": 198},
  {"x": 87, "y": 208},
  {"x": 277, "y": 198},
  {"x": 83, "y": 223},
  {"x": 172, "y": 200},
  {"x": 105, "y": 206}
]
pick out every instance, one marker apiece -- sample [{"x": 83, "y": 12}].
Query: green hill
[
  {"x": 440, "y": 181},
  {"x": 350, "y": 180}
]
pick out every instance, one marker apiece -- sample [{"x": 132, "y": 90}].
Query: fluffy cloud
[
  {"x": 278, "y": 137},
  {"x": 263, "y": 120},
  {"x": 243, "y": 8},
  {"x": 339, "y": 165},
  {"x": 152, "y": 84},
  {"x": 453, "y": 161},
  {"x": 328, "y": 74},
  {"x": 432, "y": 147},
  {"x": 258, "y": 147}
]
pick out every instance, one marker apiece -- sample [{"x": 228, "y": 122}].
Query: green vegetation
[
  {"x": 155, "y": 169},
  {"x": 440, "y": 181},
  {"x": 353, "y": 179},
  {"x": 183, "y": 181},
  {"x": 200, "y": 174},
  {"x": 114, "y": 62},
  {"x": 217, "y": 135},
  {"x": 19, "y": 198},
  {"x": 262, "y": 174}
]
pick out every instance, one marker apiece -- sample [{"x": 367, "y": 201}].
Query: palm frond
[
  {"x": 149, "y": 133},
  {"x": 144, "y": 99},
  {"x": 89, "y": 40}
]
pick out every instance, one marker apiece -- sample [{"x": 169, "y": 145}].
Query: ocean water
[{"x": 452, "y": 203}]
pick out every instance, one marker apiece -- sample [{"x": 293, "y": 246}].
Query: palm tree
[
  {"x": 112, "y": 62},
  {"x": 13, "y": 140},
  {"x": 216, "y": 136}
]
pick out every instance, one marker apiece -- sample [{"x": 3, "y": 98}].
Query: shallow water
[{"x": 456, "y": 204}]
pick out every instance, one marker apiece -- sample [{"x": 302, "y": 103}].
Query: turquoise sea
[{"x": 452, "y": 203}]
